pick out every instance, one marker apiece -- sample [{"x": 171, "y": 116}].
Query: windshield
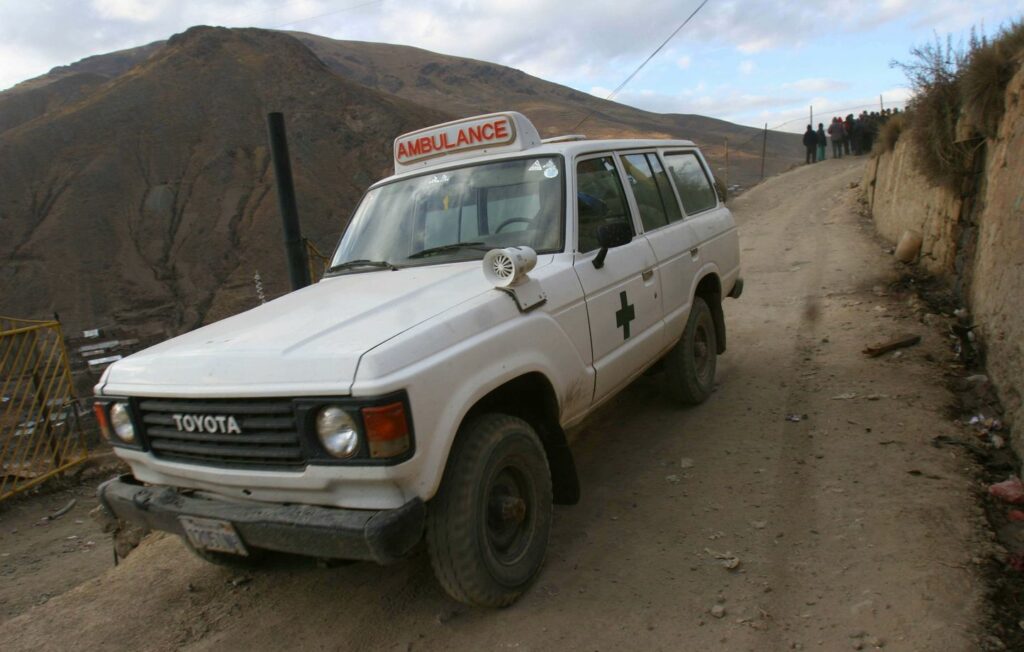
[{"x": 457, "y": 215}]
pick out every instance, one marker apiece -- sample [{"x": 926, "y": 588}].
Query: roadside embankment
[
  {"x": 902, "y": 199},
  {"x": 974, "y": 239}
]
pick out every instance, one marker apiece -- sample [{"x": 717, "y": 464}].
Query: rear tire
[
  {"x": 488, "y": 525},
  {"x": 690, "y": 365}
]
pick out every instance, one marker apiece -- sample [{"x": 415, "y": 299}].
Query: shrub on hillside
[
  {"x": 889, "y": 134},
  {"x": 989, "y": 68},
  {"x": 958, "y": 86},
  {"x": 934, "y": 110}
]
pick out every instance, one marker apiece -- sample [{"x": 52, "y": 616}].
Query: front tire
[
  {"x": 690, "y": 365},
  {"x": 488, "y": 525}
]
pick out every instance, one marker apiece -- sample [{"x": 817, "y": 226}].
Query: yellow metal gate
[{"x": 40, "y": 431}]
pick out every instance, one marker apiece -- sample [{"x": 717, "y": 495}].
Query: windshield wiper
[
  {"x": 448, "y": 247},
  {"x": 362, "y": 262}
]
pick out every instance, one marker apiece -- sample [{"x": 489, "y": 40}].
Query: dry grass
[
  {"x": 934, "y": 73},
  {"x": 957, "y": 86},
  {"x": 989, "y": 68},
  {"x": 932, "y": 128},
  {"x": 889, "y": 134}
]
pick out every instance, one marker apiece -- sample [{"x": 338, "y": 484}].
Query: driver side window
[{"x": 600, "y": 199}]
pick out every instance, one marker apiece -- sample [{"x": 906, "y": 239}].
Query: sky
[{"x": 748, "y": 61}]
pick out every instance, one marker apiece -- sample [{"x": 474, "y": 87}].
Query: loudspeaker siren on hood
[{"x": 507, "y": 270}]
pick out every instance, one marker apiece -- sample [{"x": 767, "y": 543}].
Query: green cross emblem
[{"x": 624, "y": 315}]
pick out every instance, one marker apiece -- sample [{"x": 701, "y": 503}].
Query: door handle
[
  {"x": 695, "y": 251},
  {"x": 647, "y": 274}
]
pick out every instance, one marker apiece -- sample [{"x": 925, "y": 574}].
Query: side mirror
[{"x": 613, "y": 234}]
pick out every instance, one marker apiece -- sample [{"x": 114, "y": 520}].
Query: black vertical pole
[
  {"x": 298, "y": 270},
  {"x": 764, "y": 149}
]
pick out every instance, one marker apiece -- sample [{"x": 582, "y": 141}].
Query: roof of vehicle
[
  {"x": 493, "y": 137},
  {"x": 568, "y": 149}
]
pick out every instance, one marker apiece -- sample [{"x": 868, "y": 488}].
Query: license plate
[{"x": 212, "y": 534}]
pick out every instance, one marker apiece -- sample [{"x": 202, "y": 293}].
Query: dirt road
[{"x": 851, "y": 530}]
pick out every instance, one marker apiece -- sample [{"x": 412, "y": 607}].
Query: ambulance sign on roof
[{"x": 497, "y": 132}]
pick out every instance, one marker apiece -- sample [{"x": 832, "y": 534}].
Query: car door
[
  {"x": 713, "y": 226},
  {"x": 673, "y": 239},
  {"x": 622, "y": 296}
]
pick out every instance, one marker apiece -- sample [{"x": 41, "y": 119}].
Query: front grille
[{"x": 269, "y": 438}]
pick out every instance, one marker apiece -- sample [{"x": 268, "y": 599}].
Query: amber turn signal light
[
  {"x": 100, "y": 410},
  {"x": 387, "y": 430}
]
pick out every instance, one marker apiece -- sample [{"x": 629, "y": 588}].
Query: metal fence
[
  {"x": 41, "y": 431},
  {"x": 318, "y": 262}
]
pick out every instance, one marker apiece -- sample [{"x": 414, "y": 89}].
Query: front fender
[{"x": 459, "y": 363}]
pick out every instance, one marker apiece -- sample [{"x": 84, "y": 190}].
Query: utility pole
[
  {"x": 764, "y": 149},
  {"x": 727, "y": 164},
  {"x": 812, "y": 117},
  {"x": 881, "y": 107},
  {"x": 298, "y": 268}
]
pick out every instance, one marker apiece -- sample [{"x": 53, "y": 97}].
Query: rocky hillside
[
  {"x": 136, "y": 185},
  {"x": 467, "y": 87},
  {"x": 66, "y": 84},
  {"x": 149, "y": 201}
]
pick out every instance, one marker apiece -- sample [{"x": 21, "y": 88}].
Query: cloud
[
  {"x": 816, "y": 85},
  {"x": 597, "y": 46},
  {"x": 757, "y": 45},
  {"x": 727, "y": 103},
  {"x": 555, "y": 40},
  {"x": 137, "y": 11},
  {"x": 746, "y": 67}
]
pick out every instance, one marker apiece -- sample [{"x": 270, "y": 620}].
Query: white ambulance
[{"x": 482, "y": 301}]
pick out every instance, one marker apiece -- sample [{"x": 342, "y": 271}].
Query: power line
[
  {"x": 832, "y": 111},
  {"x": 644, "y": 63}
]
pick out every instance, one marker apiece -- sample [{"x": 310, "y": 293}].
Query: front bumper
[{"x": 382, "y": 536}]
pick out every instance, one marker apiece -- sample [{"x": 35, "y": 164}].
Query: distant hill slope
[
  {"x": 150, "y": 201},
  {"x": 67, "y": 84},
  {"x": 461, "y": 87},
  {"x": 467, "y": 87},
  {"x": 136, "y": 187}
]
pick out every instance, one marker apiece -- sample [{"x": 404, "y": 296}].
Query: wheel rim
[
  {"x": 509, "y": 515},
  {"x": 702, "y": 353}
]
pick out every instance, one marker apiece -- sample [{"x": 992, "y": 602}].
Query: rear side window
[
  {"x": 668, "y": 197},
  {"x": 654, "y": 196},
  {"x": 645, "y": 189},
  {"x": 600, "y": 199},
  {"x": 693, "y": 185}
]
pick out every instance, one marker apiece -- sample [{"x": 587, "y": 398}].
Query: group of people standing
[{"x": 847, "y": 135}]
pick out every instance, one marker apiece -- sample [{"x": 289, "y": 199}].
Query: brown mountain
[
  {"x": 136, "y": 185},
  {"x": 468, "y": 87},
  {"x": 149, "y": 201},
  {"x": 66, "y": 84}
]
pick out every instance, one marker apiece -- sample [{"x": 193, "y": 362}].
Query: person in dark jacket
[
  {"x": 835, "y": 132},
  {"x": 810, "y": 143},
  {"x": 847, "y": 134},
  {"x": 857, "y": 137},
  {"x": 822, "y": 141}
]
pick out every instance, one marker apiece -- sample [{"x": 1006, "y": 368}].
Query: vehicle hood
[{"x": 308, "y": 341}]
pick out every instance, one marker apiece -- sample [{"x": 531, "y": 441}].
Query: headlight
[
  {"x": 121, "y": 422},
  {"x": 337, "y": 432}
]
